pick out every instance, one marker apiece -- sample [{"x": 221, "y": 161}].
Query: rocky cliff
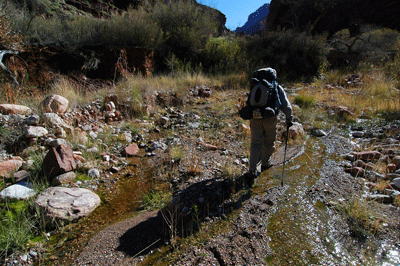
[
  {"x": 255, "y": 21},
  {"x": 316, "y": 17}
]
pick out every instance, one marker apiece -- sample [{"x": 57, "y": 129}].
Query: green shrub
[
  {"x": 155, "y": 200},
  {"x": 185, "y": 28},
  {"x": 372, "y": 47},
  {"x": 223, "y": 55},
  {"x": 304, "y": 101}
]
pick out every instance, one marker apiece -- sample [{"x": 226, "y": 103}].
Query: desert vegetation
[{"x": 358, "y": 73}]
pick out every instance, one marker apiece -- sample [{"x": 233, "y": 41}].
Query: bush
[
  {"x": 185, "y": 28},
  {"x": 304, "y": 101},
  {"x": 293, "y": 55},
  {"x": 223, "y": 55},
  {"x": 373, "y": 46}
]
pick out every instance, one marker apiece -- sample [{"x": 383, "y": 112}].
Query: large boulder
[
  {"x": 12, "y": 109},
  {"x": 59, "y": 160},
  {"x": 54, "y": 104},
  {"x": 67, "y": 203}
]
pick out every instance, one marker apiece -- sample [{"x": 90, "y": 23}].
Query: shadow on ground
[{"x": 198, "y": 203}]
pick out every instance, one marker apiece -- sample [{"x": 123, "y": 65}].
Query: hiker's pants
[{"x": 263, "y": 134}]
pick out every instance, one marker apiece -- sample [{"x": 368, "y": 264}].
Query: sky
[{"x": 236, "y": 11}]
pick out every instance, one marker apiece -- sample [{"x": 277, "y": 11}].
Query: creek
[{"x": 304, "y": 231}]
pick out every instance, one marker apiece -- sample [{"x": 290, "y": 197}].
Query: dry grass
[
  {"x": 374, "y": 95},
  {"x": 361, "y": 217}
]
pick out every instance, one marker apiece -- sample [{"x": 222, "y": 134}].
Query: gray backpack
[{"x": 264, "y": 96}]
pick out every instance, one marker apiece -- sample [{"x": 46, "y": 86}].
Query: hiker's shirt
[{"x": 286, "y": 107}]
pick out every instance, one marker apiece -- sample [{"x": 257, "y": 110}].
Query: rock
[
  {"x": 391, "y": 176},
  {"x": 158, "y": 145},
  {"x": 367, "y": 156},
  {"x": 127, "y": 136},
  {"x": 64, "y": 179},
  {"x": 385, "y": 199},
  {"x": 296, "y": 131},
  {"x": 396, "y": 161},
  {"x": 318, "y": 133},
  {"x": 35, "y": 132},
  {"x": 94, "y": 173},
  {"x": 131, "y": 150},
  {"x": 12, "y": 109},
  {"x": 358, "y": 134},
  {"x": 57, "y": 142},
  {"x": 9, "y": 167},
  {"x": 208, "y": 146},
  {"x": 163, "y": 120},
  {"x": 32, "y": 120},
  {"x": 93, "y": 150},
  {"x": 349, "y": 157},
  {"x": 395, "y": 183},
  {"x": 194, "y": 125},
  {"x": 374, "y": 176},
  {"x": 58, "y": 161},
  {"x": 92, "y": 134},
  {"x": 391, "y": 168},
  {"x": 111, "y": 98},
  {"x": 79, "y": 158},
  {"x": 68, "y": 203},
  {"x": 54, "y": 104},
  {"x": 55, "y": 121},
  {"x": 114, "y": 169},
  {"x": 204, "y": 92},
  {"x": 355, "y": 171},
  {"x": 19, "y": 191},
  {"x": 21, "y": 176}
]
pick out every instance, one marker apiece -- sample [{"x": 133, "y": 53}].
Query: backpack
[{"x": 264, "y": 96}]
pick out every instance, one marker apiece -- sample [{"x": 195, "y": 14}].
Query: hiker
[{"x": 266, "y": 99}]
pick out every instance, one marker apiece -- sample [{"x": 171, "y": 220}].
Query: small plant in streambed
[
  {"x": 361, "y": 217},
  {"x": 155, "y": 200}
]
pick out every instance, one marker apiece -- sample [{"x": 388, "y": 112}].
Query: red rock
[
  {"x": 9, "y": 109},
  {"x": 396, "y": 161},
  {"x": 208, "y": 146},
  {"x": 131, "y": 150},
  {"x": 391, "y": 168},
  {"x": 355, "y": 171},
  {"x": 9, "y": 167},
  {"x": 58, "y": 161},
  {"x": 367, "y": 155},
  {"x": 54, "y": 104}
]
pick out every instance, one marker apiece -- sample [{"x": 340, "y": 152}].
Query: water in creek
[{"x": 303, "y": 232}]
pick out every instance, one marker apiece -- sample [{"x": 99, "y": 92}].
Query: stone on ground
[
  {"x": 68, "y": 203},
  {"x": 17, "y": 192}
]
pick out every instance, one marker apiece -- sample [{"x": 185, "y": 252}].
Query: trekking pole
[{"x": 284, "y": 154}]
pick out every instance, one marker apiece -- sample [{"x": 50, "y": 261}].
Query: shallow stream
[{"x": 306, "y": 232}]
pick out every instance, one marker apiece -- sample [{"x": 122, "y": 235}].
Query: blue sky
[{"x": 236, "y": 11}]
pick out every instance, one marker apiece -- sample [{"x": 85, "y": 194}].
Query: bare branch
[{"x": 9, "y": 73}]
